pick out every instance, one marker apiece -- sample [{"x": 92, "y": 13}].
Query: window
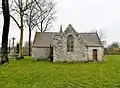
[{"x": 70, "y": 43}]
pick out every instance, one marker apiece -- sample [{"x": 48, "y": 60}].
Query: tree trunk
[
  {"x": 21, "y": 30},
  {"x": 21, "y": 42},
  {"x": 6, "y": 15},
  {"x": 29, "y": 41},
  {"x": 21, "y": 39}
]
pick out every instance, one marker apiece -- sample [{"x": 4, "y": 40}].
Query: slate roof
[
  {"x": 45, "y": 39},
  {"x": 91, "y": 39}
]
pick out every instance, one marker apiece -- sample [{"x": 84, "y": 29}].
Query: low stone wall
[{"x": 40, "y": 53}]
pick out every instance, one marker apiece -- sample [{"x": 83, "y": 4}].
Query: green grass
[{"x": 26, "y": 73}]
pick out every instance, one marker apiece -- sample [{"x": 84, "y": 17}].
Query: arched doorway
[{"x": 95, "y": 54}]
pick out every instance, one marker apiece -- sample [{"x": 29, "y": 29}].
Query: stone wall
[
  {"x": 40, "y": 53},
  {"x": 100, "y": 53},
  {"x": 60, "y": 53}
]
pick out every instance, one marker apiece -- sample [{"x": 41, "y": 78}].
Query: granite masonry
[{"x": 67, "y": 46}]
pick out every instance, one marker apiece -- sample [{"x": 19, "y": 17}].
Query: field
[{"x": 26, "y": 73}]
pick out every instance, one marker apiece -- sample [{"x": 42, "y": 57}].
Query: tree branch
[{"x": 15, "y": 21}]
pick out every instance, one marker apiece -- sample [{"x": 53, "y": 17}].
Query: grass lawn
[{"x": 26, "y": 73}]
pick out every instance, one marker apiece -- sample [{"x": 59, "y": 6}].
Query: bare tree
[
  {"x": 46, "y": 14},
  {"x": 102, "y": 35},
  {"x": 42, "y": 20},
  {"x": 114, "y": 45},
  {"x": 18, "y": 8},
  {"x": 31, "y": 17},
  {"x": 41, "y": 15},
  {"x": 6, "y": 16},
  {"x": 104, "y": 43}
]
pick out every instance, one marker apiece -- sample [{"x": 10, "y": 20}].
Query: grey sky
[{"x": 84, "y": 15}]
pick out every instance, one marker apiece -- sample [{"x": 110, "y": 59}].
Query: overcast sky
[{"x": 84, "y": 15}]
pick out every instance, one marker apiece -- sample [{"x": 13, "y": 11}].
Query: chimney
[{"x": 61, "y": 29}]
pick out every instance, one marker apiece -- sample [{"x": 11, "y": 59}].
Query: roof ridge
[
  {"x": 87, "y": 33},
  {"x": 47, "y": 32},
  {"x": 77, "y": 32}
]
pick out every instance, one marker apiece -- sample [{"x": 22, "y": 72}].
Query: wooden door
[
  {"x": 51, "y": 53},
  {"x": 95, "y": 54}
]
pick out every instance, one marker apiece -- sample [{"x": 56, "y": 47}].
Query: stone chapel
[{"x": 67, "y": 46}]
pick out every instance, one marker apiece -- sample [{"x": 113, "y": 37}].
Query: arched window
[{"x": 70, "y": 43}]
